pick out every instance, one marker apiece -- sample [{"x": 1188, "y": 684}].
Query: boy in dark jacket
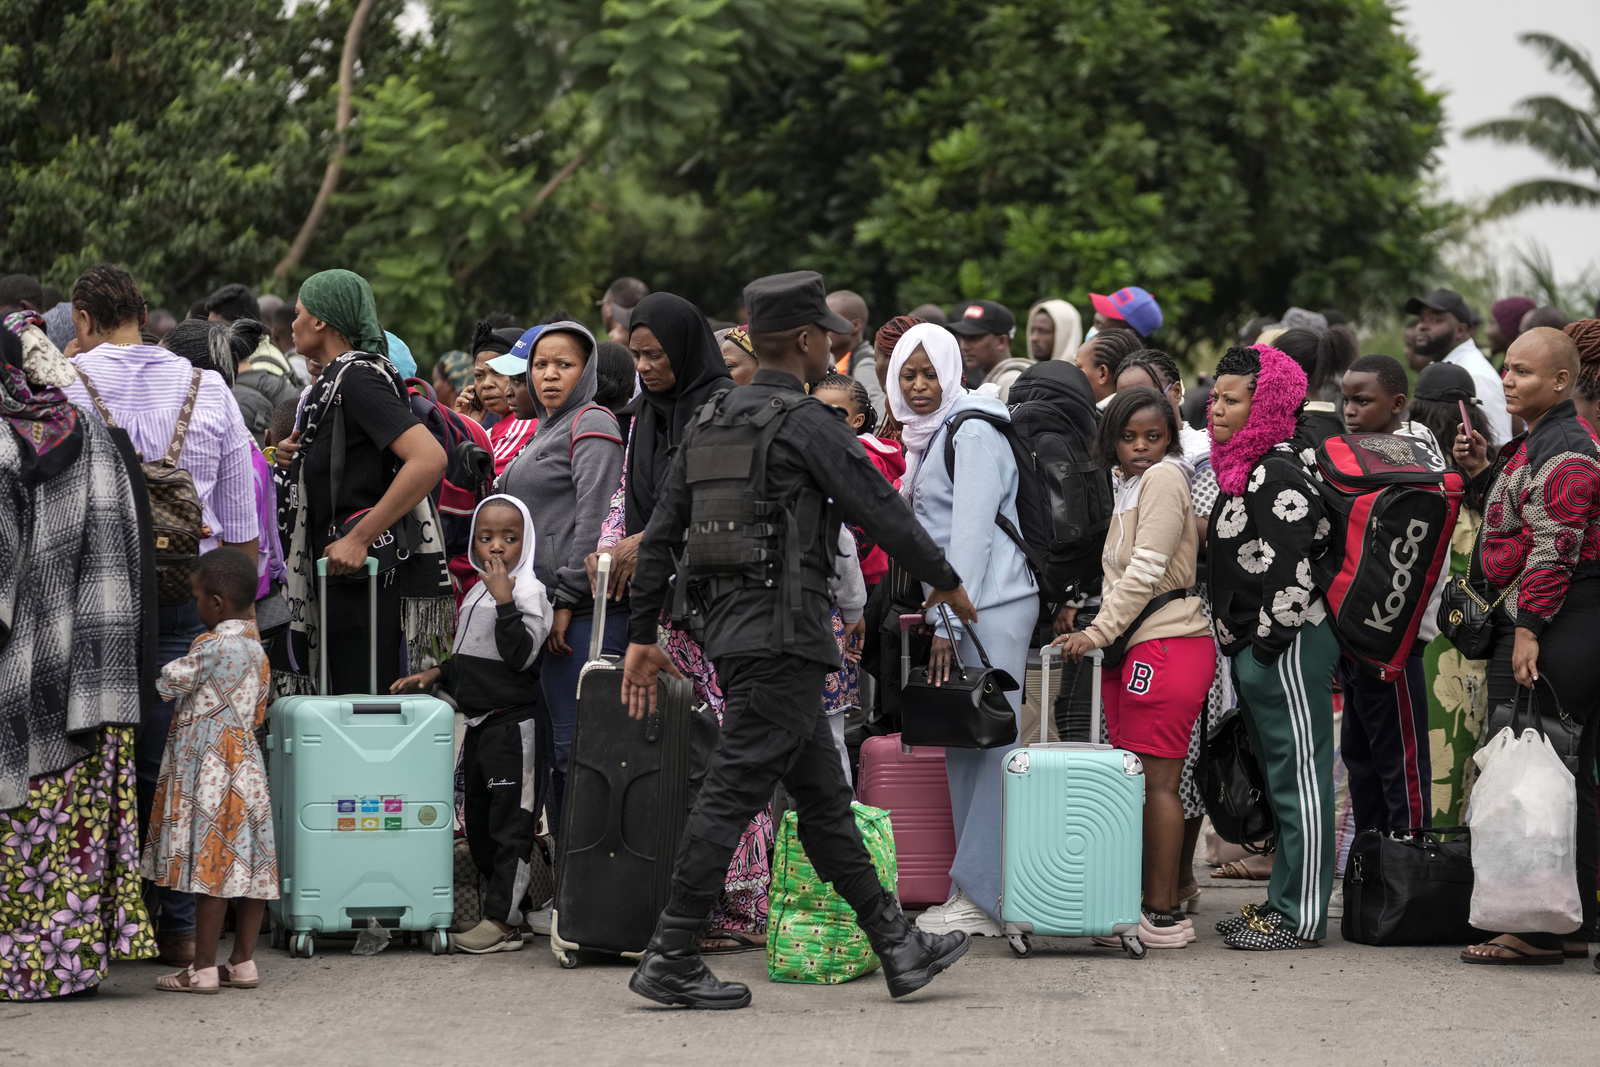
[{"x": 501, "y": 625}]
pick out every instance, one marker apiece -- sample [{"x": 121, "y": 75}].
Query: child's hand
[
  {"x": 497, "y": 581},
  {"x": 416, "y": 683}
]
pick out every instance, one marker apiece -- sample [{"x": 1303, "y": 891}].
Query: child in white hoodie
[{"x": 501, "y": 625}]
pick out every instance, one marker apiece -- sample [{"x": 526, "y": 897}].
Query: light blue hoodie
[{"x": 993, "y": 569}]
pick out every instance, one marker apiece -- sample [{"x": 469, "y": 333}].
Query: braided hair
[
  {"x": 1110, "y": 347},
  {"x": 1585, "y": 333},
  {"x": 110, "y": 296},
  {"x": 858, "y": 396},
  {"x": 1161, "y": 368},
  {"x": 1240, "y": 359}
]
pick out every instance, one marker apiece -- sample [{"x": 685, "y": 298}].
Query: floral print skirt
[
  {"x": 743, "y": 904},
  {"x": 69, "y": 883}
]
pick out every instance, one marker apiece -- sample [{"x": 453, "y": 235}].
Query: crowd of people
[{"x": 172, "y": 484}]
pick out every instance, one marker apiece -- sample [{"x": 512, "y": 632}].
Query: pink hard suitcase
[{"x": 911, "y": 786}]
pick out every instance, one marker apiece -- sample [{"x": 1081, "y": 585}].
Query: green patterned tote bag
[{"x": 812, "y": 934}]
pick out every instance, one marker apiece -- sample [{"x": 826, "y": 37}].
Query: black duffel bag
[
  {"x": 1409, "y": 890},
  {"x": 1233, "y": 787}
]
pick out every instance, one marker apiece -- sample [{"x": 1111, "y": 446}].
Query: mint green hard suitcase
[
  {"x": 1073, "y": 831},
  {"x": 362, "y": 811}
]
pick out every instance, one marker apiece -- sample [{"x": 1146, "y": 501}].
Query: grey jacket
[{"x": 566, "y": 476}]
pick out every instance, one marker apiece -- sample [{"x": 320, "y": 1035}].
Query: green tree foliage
[
  {"x": 1565, "y": 134},
  {"x": 182, "y": 138},
  {"x": 1229, "y": 155}
]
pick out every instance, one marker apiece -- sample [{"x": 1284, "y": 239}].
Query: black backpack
[{"x": 1064, "y": 500}]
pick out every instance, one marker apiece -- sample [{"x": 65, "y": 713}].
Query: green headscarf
[{"x": 344, "y": 300}]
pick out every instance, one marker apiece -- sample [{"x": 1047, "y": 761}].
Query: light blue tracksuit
[{"x": 997, "y": 578}]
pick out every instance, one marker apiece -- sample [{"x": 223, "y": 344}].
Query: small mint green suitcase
[
  {"x": 1073, "y": 831},
  {"x": 363, "y": 811}
]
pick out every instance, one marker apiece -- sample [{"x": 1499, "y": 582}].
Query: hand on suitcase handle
[
  {"x": 639, "y": 671},
  {"x": 1075, "y": 645}
]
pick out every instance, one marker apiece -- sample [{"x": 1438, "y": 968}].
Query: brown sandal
[
  {"x": 732, "y": 941},
  {"x": 1237, "y": 869}
]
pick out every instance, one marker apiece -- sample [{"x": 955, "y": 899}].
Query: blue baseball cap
[
  {"x": 516, "y": 361},
  {"x": 1132, "y": 305}
]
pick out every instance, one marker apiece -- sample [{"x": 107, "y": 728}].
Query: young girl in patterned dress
[{"x": 211, "y": 828}]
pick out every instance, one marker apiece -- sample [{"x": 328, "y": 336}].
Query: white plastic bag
[{"x": 1524, "y": 817}]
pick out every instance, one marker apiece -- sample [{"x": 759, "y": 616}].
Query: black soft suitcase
[{"x": 630, "y": 785}]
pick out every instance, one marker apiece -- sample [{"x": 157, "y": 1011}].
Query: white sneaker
[
  {"x": 938, "y": 911},
  {"x": 1336, "y": 900},
  {"x": 538, "y": 922},
  {"x": 959, "y": 913}
]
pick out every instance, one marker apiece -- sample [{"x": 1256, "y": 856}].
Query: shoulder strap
[
  {"x": 94, "y": 395},
  {"x": 180, "y": 432},
  {"x": 574, "y": 437},
  {"x": 955, "y": 424}
]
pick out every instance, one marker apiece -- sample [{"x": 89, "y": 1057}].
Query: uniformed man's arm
[
  {"x": 865, "y": 497},
  {"x": 667, "y": 523}
]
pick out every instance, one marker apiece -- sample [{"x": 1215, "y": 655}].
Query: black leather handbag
[
  {"x": 1233, "y": 788},
  {"x": 1466, "y": 616},
  {"x": 1411, "y": 889},
  {"x": 1564, "y": 733},
  {"x": 969, "y": 710}
]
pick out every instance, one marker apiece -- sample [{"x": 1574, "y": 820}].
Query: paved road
[{"x": 1342, "y": 1004}]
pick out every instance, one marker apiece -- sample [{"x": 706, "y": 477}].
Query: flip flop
[
  {"x": 1237, "y": 869},
  {"x": 1521, "y": 959},
  {"x": 742, "y": 942}
]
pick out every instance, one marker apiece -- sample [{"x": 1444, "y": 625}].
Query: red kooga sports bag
[{"x": 1393, "y": 505}]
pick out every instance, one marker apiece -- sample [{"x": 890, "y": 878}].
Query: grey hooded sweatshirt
[{"x": 566, "y": 476}]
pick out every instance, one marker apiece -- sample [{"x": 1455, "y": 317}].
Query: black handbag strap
[
  {"x": 972, "y": 632},
  {"x": 1532, "y": 705}
]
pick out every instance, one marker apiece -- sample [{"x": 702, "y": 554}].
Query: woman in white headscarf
[
  {"x": 1055, "y": 330},
  {"x": 927, "y": 397}
]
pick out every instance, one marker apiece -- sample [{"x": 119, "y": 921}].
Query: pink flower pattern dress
[{"x": 211, "y": 826}]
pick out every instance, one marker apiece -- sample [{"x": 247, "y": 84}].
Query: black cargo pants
[{"x": 773, "y": 730}]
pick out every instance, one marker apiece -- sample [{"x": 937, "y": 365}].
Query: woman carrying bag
[
  {"x": 1540, "y": 547},
  {"x": 1160, "y": 666},
  {"x": 925, "y": 395}
]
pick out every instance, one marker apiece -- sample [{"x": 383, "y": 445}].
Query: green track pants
[{"x": 1288, "y": 710}]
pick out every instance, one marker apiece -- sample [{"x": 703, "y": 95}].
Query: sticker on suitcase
[{"x": 383, "y": 812}]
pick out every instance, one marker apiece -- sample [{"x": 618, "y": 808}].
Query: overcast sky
[{"x": 1469, "y": 49}]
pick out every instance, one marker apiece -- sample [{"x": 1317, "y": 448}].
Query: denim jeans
[
  {"x": 180, "y": 625},
  {"x": 558, "y": 677}
]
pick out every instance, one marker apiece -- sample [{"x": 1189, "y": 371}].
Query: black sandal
[
  {"x": 742, "y": 942},
  {"x": 1523, "y": 958}
]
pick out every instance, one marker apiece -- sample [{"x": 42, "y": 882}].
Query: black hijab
[{"x": 701, "y": 374}]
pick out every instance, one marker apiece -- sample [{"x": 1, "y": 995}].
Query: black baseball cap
[
  {"x": 1446, "y": 300},
  {"x": 781, "y": 302},
  {"x": 1445, "y": 382},
  {"x": 978, "y": 317}
]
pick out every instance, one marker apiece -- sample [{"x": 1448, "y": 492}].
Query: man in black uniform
[{"x": 763, "y": 597}]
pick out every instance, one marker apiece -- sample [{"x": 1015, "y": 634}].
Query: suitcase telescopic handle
[
  {"x": 1046, "y": 654},
  {"x": 908, "y": 622},
  {"x": 602, "y": 587},
  {"x": 322, "y": 624}
]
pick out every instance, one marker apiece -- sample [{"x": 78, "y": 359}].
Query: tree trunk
[{"x": 341, "y": 123}]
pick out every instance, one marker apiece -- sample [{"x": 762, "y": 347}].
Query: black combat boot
[
  {"x": 672, "y": 972},
  {"x": 910, "y": 957}
]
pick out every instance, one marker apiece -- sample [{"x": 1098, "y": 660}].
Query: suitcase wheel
[
  {"x": 1020, "y": 945},
  {"x": 1134, "y": 947},
  {"x": 568, "y": 960},
  {"x": 303, "y": 945},
  {"x": 439, "y": 942},
  {"x": 279, "y": 938}
]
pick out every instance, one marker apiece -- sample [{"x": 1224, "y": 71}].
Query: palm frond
[
  {"x": 1567, "y": 144},
  {"x": 1559, "y": 55},
  {"x": 1542, "y": 192}
]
